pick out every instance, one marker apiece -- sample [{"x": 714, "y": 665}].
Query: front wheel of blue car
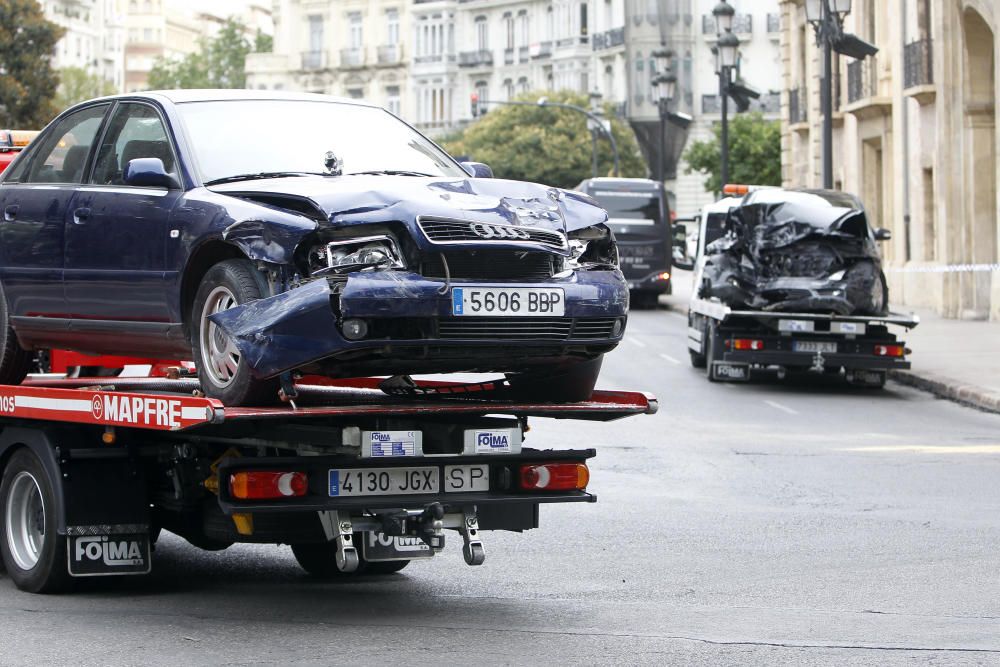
[{"x": 223, "y": 372}]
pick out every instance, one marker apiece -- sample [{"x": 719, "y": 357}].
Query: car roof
[
  {"x": 226, "y": 94},
  {"x": 625, "y": 184}
]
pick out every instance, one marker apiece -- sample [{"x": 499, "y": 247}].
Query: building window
[
  {"x": 583, "y": 19},
  {"x": 315, "y": 39},
  {"x": 392, "y": 100},
  {"x": 355, "y": 93},
  {"x": 392, "y": 26},
  {"x": 508, "y": 25},
  {"x": 482, "y": 91},
  {"x": 522, "y": 85},
  {"x": 354, "y": 35},
  {"x": 523, "y": 27},
  {"x": 508, "y": 89},
  {"x": 482, "y": 34},
  {"x": 550, "y": 23}
]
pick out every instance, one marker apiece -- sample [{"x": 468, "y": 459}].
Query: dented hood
[
  {"x": 350, "y": 199},
  {"x": 776, "y": 219}
]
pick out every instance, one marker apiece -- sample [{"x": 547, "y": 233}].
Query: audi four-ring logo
[{"x": 499, "y": 232}]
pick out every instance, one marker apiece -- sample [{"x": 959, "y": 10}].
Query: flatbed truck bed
[
  {"x": 356, "y": 481},
  {"x": 730, "y": 344}
]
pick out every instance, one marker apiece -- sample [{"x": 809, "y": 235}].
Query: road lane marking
[
  {"x": 928, "y": 449},
  {"x": 636, "y": 341},
  {"x": 783, "y": 408},
  {"x": 669, "y": 358}
]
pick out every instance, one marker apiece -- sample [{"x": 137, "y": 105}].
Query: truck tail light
[
  {"x": 889, "y": 350},
  {"x": 555, "y": 477},
  {"x": 267, "y": 484},
  {"x": 747, "y": 344}
]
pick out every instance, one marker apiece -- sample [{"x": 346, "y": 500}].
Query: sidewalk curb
[{"x": 966, "y": 394}]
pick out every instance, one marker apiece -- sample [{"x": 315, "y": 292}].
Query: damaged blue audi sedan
[{"x": 264, "y": 234}]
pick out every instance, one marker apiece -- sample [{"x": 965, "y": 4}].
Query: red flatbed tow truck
[{"x": 354, "y": 479}]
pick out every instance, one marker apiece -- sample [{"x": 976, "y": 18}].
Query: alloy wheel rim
[
  {"x": 25, "y": 520},
  {"x": 219, "y": 355}
]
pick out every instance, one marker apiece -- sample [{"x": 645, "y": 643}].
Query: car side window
[
  {"x": 135, "y": 131},
  {"x": 63, "y": 156}
]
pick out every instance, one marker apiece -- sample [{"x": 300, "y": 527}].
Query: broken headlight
[
  {"x": 591, "y": 248},
  {"x": 350, "y": 255}
]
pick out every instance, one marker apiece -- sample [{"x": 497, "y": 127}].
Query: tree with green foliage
[
  {"x": 754, "y": 153},
  {"x": 77, "y": 84},
  {"x": 220, "y": 62},
  {"x": 545, "y": 144},
  {"x": 27, "y": 81},
  {"x": 262, "y": 42}
]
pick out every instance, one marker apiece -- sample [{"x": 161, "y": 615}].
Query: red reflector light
[
  {"x": 266, "y": 484},
  {"x": 663, "y": 276},
  {"x": 748, "y": 344},
  {"x": 555, "y": 477},
  {"x": 889, "y": 350}
]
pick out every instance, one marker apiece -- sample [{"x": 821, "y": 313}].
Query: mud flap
[
  {"x": 107, "y": 513},
  {"x": 724, "y": 371},
  {"x": 284, "y": 332}
]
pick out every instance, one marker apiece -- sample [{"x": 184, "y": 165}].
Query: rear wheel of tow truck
[
  {"x": 15, "y": 363},
  {"x": 320, "y": 561},
  {"x": 222, "y": 370},
  {"x": 34, "y": 554}
]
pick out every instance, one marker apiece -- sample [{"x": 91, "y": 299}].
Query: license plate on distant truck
[
  {"x": 507, "y": 302},
  {"x": 815, "y": 346},
  {"x": 353, "y": 482}
]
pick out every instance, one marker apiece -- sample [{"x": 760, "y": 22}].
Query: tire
[
  {"x": 698, "y": 359},
  {"x": 561, "y": 384},
  {"x": 34, "y": 554},
  {"x": 320, "y": 561},
  {"x": 15, "y": 363},
  {"x": 222, "y": 370}
]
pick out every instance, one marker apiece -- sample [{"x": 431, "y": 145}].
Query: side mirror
[
  {"x": 148, "y": 172},
  {"x": 681, "y": 258},
  {"x": 883, "y": 234},
  {"x": 477, "y": 169}
]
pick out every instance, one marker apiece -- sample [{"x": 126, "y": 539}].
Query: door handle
[
  {"x": 81, "y": 215},
  {"x": 10, "y": 212}
]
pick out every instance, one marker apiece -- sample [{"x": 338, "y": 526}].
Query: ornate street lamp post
[
  {"x": 727, "y": 54},
  {"x": 664, "y": 88}
]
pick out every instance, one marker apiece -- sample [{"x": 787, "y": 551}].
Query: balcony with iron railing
[
  {"x": 797, "y": 105},
  {"x": 523, "y": 54},
  {"x": 477, "y": 58},
  {"x": 742, "y": 25},
  {"x": 390, "y": 54},
  {"x": 313, "y": 60},
  {"x": 918, "y": 70},
  {"x": 352, "y": 57},
  {"x": 609, "y": 39},
  {"x": 541, "y": 50},
  {"x": 768, "y": 103},
  {"x": 863, "y": 98}
]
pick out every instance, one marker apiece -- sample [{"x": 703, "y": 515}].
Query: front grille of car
[
  {"x": 525, "y": 328},
  {"x": 492, "y": 265},
  {"x": 440, "y": 230}
]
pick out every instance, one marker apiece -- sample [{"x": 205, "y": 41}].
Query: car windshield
[
  {"x": 236, "y": 137},
  {"x": 629, "y": 208}
]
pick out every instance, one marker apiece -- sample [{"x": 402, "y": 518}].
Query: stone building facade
[{"x": 915, "y": 135}]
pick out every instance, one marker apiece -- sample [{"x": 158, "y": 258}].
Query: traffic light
[{"x": 475, "y": 104}]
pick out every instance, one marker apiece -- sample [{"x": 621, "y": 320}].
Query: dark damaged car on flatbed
[
  {"x": 791, "y": 280},
  {"x": 264, "y": 233}
]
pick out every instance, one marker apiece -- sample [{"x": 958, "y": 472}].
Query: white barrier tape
[{"x": 946, "y": 268}]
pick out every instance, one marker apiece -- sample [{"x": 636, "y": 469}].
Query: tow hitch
[{"x": 427, "y": 524}]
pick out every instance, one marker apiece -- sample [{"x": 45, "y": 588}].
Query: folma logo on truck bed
[
  {"x": 117, "y": 553},
  {"x": 492, "y": 441}
]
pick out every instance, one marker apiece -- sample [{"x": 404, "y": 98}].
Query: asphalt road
[{"x": 770, "y": 523}]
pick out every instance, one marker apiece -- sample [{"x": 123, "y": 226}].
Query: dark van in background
[{"x": 639, "y": 214}]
